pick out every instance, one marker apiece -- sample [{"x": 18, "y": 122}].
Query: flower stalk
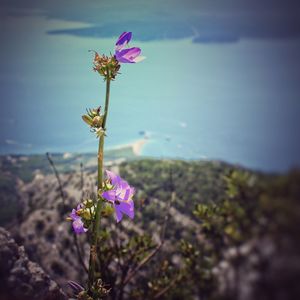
[
  {"x": 96, "y": 225},
  {"x": 114, "y": 192}
]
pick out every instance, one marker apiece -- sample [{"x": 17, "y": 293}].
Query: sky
[
  {"x": 203, "y": 21},
  {"x": 221, "y": 78}
]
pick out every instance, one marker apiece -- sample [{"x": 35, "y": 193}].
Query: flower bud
[
  {"x": 86, "y": 215},
  {"x": 87, "y": 119},
  {"x": 97, "y": 121},
  {"x": 108, "y": 67},
  {"x": 88, "y": 203}
]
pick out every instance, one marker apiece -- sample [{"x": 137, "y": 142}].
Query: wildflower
[
  {"x": 78, "y": 224},
  {"x": 120, "y": 195},
  {"x": 129, "y": 55}
]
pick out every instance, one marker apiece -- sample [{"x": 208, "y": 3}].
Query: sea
[{"x": 236, "y": 102}]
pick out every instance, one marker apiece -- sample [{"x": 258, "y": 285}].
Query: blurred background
[
  {"x": 206, "y": 130},
  {"x": 221, "y": 79}
]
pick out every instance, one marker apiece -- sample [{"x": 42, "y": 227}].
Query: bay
[{"x": 237, "y": 102}]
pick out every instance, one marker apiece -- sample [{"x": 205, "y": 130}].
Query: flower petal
[
  {"x": 131, "y": 53},
  {"x": 123, "y": 40},
  {"x": 74, "y": 215},
  {"x": 114, "y": 178},
  {"x": 139, "y": 59},
  {"x": 79, "y": 206},
  {"x": 121, "y": 195},
  {"x": 123, "y": 184},
  {"x": 109, "y": 195},
  {"x": 78, "y": 226},
  {"x": 121, "y": 59},
  {"x": 128, "y": 55},
  {"x": 119, "y": 214},
  {"x": 126, "y": 208},
  {"x": 125, "y": 194}
]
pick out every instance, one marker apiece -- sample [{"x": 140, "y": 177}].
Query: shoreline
[{"x": 136, "y": 146}]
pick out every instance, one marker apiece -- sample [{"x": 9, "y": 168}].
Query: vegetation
[
  {"x": 197, "y": 221},
  {"x": 14, "y": 168},
  {"x": 232, "y": 207}
]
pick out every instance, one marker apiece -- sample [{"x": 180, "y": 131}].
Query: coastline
[{"x": 136, "y": 146}]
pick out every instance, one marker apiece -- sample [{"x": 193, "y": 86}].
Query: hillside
[{"x": 212, "y": 209}]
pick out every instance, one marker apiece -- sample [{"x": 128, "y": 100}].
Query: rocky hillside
[
  {"x": 217, "y": 208},
  {"x": 22, "y": 279}
]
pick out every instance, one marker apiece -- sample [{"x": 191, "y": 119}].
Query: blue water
[{"x": 237, "y": 102}]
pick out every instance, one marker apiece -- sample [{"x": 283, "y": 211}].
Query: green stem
[
  {"x": 100, "y": 162},
  {"x": 106, "y": 101},
  {"x": 96, "y": 225}
]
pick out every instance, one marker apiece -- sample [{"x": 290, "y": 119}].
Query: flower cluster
[
  {"x": 76, "y": 217},
  {"x": 116, "y": 192},
  {"x": 94, "y": 119},
  {"x": 119, "y": 193},
  {"x": 109, "y": 67}
]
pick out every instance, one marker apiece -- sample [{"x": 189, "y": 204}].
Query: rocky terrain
[
  {"x": 22, "y": 279},
  {"x": 41, "y": 225},
  {"x": 249, "y": 268},
  {"x": 39, "y": 210}
]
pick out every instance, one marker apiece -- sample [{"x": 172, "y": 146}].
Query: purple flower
[
  {"x": 78, "y": 225},
  {"x": 128, "y": 55},
  {"x": 120, "y": 196},
  {"x": 123, "y": 40}
]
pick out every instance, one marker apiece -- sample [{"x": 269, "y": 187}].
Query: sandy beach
[{"x": 137, "y": 146}]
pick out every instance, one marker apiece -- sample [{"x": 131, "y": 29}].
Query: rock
[
  {"x": 43, "y": 230},
  {"x": 22, "y": 279}
]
